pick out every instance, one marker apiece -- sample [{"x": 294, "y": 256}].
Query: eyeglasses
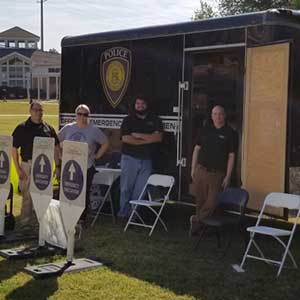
[
  {"x": 37, "y": 109},
  {"x": 82, "y": 114}
]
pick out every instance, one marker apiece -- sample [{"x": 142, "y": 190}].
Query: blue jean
[{"x": 134, "y": 175}]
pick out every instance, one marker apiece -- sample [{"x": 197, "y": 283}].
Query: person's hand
[
  {"x": 136, "y": 135},
  {"x": 226, "y": 182},
  {"x": 192, "y": 174},
  {"x": 21, "y": 173}
]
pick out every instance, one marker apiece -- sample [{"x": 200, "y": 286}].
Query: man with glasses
[
  {"x": 82, "y": 131},
  {"x": 23, "y": 137}
]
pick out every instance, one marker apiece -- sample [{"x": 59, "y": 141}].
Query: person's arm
[
  {"x": 131, "y": 140},
  {"x": 104, "y": 147},
  {"x": 57, "y": 154},
  {"x": 15, "y": 155},
  {"x": 230, "y": 165},
  {"x": 195, "y": 159},
  {"x": 149, "y": 138},
  {"x": 57, "y": 158}
]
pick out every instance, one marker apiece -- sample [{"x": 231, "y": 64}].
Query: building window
[
  {"x": 2, "y": 44},
  {"x": 21, "y": 44},
  {"x": 16, "y": 71},
  {"x": 12, "y": 44},
  {"x": 53, "y": 70},
  {"x": 16, "y": 83},
  {"x": 31, "y": 44},
  {"x": 16, "y": 61}
]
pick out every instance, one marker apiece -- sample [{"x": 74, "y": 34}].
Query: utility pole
[{"x": 42, "y": 24}]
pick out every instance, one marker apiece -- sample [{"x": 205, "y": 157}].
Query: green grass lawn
[{"x": 163, "y": 266}]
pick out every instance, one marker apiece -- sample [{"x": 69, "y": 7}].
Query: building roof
[
  {"x": 44, "y": 58},
  {"x": 270, "y": 17},
  {"x": 38, "y": 57},
  {"x": 25, "y": 52},
  {"x": 18, "y": 33}
]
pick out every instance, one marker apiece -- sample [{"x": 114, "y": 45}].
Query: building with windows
[{"x": 23, "y": 67}]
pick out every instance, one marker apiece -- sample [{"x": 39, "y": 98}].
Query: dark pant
[
  {"x": 206, "y": 186},
  {"x": 89, "y": 179}
]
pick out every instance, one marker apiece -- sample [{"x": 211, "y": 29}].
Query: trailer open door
[
  {"x": 211, "y": 76},
  {"x": 265, "y": 122}
]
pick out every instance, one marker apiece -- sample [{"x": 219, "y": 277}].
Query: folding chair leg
[
  {"x": 218, "y": 237},
  {"x": 282, "y": 263},
  {"x": 258, "y": 249},
  {"x": 286, "y": 252},
  {"x": 98, "y": 213},
  {"x": 156, "y": 220},
  {"x": 228, "y": 243},
  {"x": 112, "y": 209},
  {"x": 201, "y": 235},
  {"x": 247, "y": 250},
  {"x": 286, "y": 247},
  {"x": 128, "y": 222}
]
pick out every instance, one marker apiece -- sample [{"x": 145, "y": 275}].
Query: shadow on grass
[
  {"x": 168, "y": 260},
  {"x": 34, "y": 289},
  {"x": 10, "y": 268}
]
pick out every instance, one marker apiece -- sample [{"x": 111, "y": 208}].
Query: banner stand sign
[
  {"x": 5, "y": 154},
  {"x": 41, "y": 191},
  {"x": 72, "y": 204},
  {"x": 41, "y": 188},
  {"x": 5, "y": 186}
]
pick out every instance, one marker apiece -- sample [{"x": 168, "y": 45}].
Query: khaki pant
[
  {"x": 205, "y": 187},
  {"x": 26, "y": 216}
]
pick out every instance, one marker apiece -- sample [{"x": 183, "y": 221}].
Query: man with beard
[{"x": 141, "y": 130}]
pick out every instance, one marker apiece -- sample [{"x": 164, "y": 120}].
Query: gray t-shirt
[{"x": 91, "y": 135}]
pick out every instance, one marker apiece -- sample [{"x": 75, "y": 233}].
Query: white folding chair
[
  {"x": 278, "y": 200},
  {"x": 105, "y": 178},
  {"x": 155, "y": 180}
]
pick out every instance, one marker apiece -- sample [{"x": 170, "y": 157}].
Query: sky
[{"x": 76, "y": 17}]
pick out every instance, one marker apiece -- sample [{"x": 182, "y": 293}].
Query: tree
[
  {"x": 233, "y": 7},
  {"x": 295, "y": 4},
  {"x": 53, "y": 50},
  {"x": 204, "y": 12}
]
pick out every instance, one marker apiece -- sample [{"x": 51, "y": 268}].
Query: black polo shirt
[
  {"x": 216, "y": 144},
  {"x": 133, "y": 123},
  {"x": 25, "y": 133}
]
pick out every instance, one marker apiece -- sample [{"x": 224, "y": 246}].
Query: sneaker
[{"x": 195, "y": 226}]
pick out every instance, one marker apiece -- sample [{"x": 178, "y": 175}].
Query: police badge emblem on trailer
[{"x": 115, "y": 69}]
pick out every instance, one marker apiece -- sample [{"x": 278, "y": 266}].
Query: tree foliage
[
  {"x": 53, "y": 50},
  {"x": 204, "y": 12},
  {"x": 233, "y": 7}
]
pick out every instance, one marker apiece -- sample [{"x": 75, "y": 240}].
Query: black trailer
[{"x": 248, "y": 63}]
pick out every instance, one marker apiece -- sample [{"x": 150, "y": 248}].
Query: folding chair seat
[
  {"x": 105, "y": 178},
  {"x": 232, "y": 202},
  {"x": 277, "y": 200},
  {"x": 155, "y": 181}
]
